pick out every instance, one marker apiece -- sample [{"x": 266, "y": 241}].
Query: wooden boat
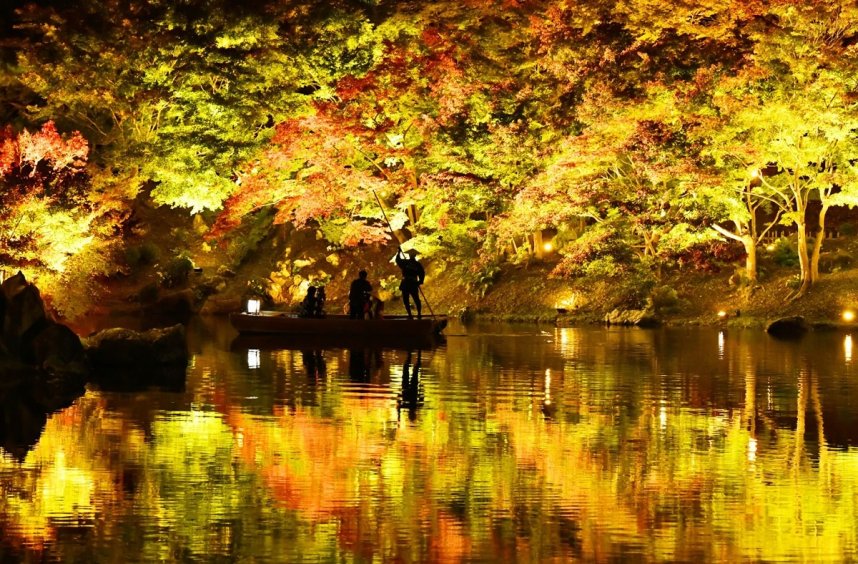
[{"x": 338, "y": 330}]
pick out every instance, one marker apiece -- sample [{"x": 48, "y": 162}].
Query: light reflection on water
[{"x": 511, "y": 443}]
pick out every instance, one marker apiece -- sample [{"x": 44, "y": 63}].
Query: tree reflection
[{"x": 655, "y": 458}]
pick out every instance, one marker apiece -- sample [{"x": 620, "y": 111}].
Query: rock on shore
[
  {"x": 122, "y": 347},
  {"x": 28, "y": 337},
  {"x": 637, "y": 317},
  {"x": 788, "y": 327}
]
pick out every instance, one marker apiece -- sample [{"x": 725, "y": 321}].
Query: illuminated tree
[
  {"x": 45, "y": 215},
  {"x": 312, "y": 172},
  {"x": 789, "y": 111},
  {"x": 177, "y": 95}
]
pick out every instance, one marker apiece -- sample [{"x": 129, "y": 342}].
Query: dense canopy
[{"x": 635, "y": 133}]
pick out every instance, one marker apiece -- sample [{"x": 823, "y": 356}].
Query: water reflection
[
  {"x": 314, "y": 365},
  {"x": 509, "y": 444},
  {"x": 411, "y": 396},
  {"x": 253, "y": 361},
  {"x": 365, "y": 365}
]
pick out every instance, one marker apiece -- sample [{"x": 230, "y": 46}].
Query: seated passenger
[
  {"x": 320, "y": 303},
  {"x": 376, "y": 308},
  {"x": 309, "y": 305},
  {"x": 359, "y": 296}
]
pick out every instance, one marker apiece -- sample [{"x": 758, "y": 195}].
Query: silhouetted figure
[
  {"x": 320, "y": 303},
  {"x": 359, "y": 295},
  {"x": 310, "y": 303},
  {"x": 411, "y": 398},
  {"x": 359, "y": 365},
  {"x": 314, "y": 364},
  {"x": 412, "y": 277},
  {"x": 376, "y": 309}
]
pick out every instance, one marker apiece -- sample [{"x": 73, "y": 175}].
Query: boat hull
[{"x": 286, "y": 329}]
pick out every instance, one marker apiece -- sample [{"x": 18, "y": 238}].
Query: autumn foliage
[
  {"x": 477, "y": 126},
  {"x": 43, "y": 199}
]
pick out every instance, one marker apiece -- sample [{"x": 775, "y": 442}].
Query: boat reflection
[{"x": 333, "y": 341}]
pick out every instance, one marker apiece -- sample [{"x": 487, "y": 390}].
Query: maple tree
[
  {"x": 478, "y": 125},
  {"x": 44, "y": 212},
  {"x": 789, "y": 115}
]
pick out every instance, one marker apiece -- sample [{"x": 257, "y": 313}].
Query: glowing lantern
[
  {"x": 253, "y": 306},
  {"x": 722, "y": 314},
  {"x": 547, "y": 247},
  {"x": 848, "y": 316},
  {"x": 253, "y": 360}
]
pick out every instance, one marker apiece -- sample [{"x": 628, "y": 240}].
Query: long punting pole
[{"x": 383, "y": 213}]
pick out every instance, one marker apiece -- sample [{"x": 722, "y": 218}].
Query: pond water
[{"x": 506, "y": 443}]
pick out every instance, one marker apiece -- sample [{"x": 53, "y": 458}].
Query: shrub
[
  {"x": 834, "y": 262},
  {"x": 663, "y": 298},
  {"x": 848, "y": 229},
  {"x": 176, "y": 272},
  {"x": 633, "y": 290},
  {"x": 708, "y": 256},
  {"x": 739, "y": 278},
  {"x": 784, "y": 253},
  {"x": 141, "y": 255},
  {"x": 481, "y": 274}
]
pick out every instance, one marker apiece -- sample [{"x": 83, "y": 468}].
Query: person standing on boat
[
  {"x": 412, "y": 278},
  {"x": 359, "y": 295}
]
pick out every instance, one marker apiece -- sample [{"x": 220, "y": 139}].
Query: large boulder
[
  {"x": 637, "y": 317},
  {"x": 126, "y": 347},
  {"x": 29, "y": 337},
  {"x": 788, "y": 327},
  {"x": 14, "y": 284},
  {"x": 58, "y": 349},
  {"x": 24, "y": 316}
]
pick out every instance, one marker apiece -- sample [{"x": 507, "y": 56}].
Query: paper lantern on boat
[{"x": 253, "y": 306}]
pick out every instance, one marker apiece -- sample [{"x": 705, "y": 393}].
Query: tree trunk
[
  {"x": 537, "y": 244},
  {"x": 413, "y": 214},
  {"x": 817, "y": 246},
  {"x": 803, "y": 258},
  {"x": 749, "y": 242},
  {"x": 750, "y": 258}
]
